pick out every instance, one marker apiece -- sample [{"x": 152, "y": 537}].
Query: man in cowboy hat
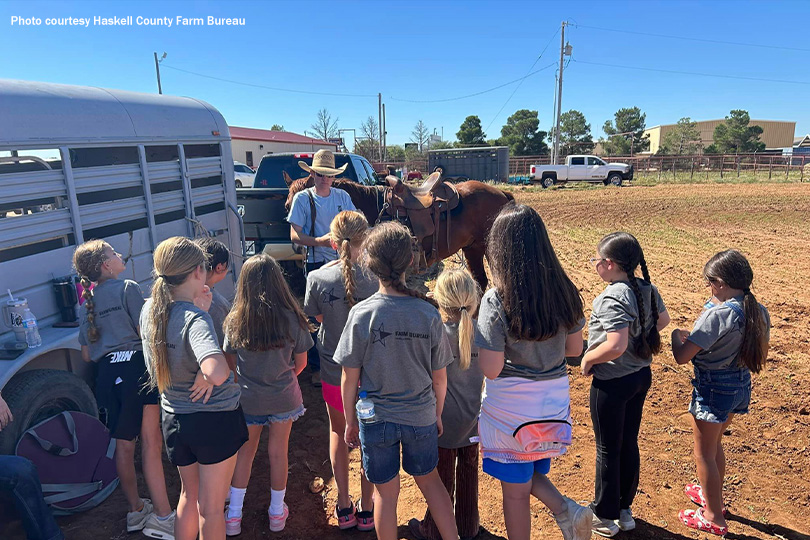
[{"x": 327, "y": 203}]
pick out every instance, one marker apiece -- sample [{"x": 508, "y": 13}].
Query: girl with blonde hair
[
  {"x": 331, "y": 292},
  {"x": 458, "y": 296},
  {"x": 109, "y": 336},
  {"x": 267, "y": 338},
  {"x": 203, "y": 424}
]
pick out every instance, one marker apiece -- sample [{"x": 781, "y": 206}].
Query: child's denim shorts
[
  {"x": 266, "y": 419},
  {"x": 717, "y": 393},
  {"x": 381, "y": 442}
]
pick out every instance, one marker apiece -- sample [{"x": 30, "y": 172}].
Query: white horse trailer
[{"x": 78, "y": 163}]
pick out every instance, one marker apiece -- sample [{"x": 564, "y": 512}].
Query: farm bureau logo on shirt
[
  {"x": 379, "y": 335},
  {"x": 110, "y": 310}
]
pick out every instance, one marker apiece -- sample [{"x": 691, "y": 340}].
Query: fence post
[
  {"x": 738, "y": 166},
  {"x": 674, "y": 164},
  {"x": 755, "y": 165},
  {"x": 787, "y": 167},
  {"x": 801, "y": 178},
  {"x": 660, "y": 167},
  {"x": 722, "y": 165},
  {"x": 692, "y": 168},
  {"x": 770, "y": 167}
]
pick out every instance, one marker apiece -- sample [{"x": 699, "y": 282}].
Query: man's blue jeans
[{"x": 19, "y": 480}]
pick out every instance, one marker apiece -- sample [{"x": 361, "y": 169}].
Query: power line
[
  {"x": 292, "y": 91},
  {"x": 476, "y": 93},
  {"x": 738, "y": 77},
  {"x": 702, "y": 40},
  {"x": 521, "y": 83}
]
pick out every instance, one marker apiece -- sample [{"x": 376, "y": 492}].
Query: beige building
[
  {"x": 775, "y": 133},
  {"x": 250, "y": 145}
]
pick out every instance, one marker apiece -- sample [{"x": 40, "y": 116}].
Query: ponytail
[
  {"x": 396, "y": 282},
  {"x": 653, "y": 336},
  {"x": 90, "y": 306},
  {"x": 159, "y": 308},
  {"x": 754, "y": 348},
  {"x": 87, "y": 260},
  {"x": 466, "y": 334},
  {"x": 345, "y": 250},
  {"x": 348, "y": 229},
  {"x": 458, "y": 295}
]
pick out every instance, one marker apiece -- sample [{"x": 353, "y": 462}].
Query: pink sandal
[
  {"x": 346, "y": 517},
  {"x": 695, "y": 494},
  {"x": 694, "y": 520}
]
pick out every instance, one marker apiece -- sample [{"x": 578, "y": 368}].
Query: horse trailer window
[
  {"x": 161, "y": 153},
  {"x": 201, "y": 150},
  {"x": 99, "y": 157}
]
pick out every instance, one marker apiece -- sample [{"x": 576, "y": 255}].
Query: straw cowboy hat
[{"x": 323, "y": 163}]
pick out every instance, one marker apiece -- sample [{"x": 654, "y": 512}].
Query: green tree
[
  {"x": 736, "y": 136},
  {"x": 521, "y": 134},
  {"x": 626, "y": 135},
  {"x": 575, "y": 134},
  {"x": 441, "y": 145},
  {"x": 470, "y": 132},
  {"x": 684, "y": 139},
  {"x": 277, "y": 127},
  {"x": 395, "y": 152}
]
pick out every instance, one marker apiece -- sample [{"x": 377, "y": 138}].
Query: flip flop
[
  {"x": 694, "y": 519},
  {"x": 695, "y": 494}
]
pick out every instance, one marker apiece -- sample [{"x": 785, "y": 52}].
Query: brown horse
[{"x": 479, "y": 203}]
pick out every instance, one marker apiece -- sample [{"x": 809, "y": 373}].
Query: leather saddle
[{"x": 423, "y": 208}]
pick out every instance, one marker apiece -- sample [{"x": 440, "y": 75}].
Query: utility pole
[
  {"x": 157, "y": 69},
  {"x": 384, "y": 137},
  {"x": 379, "y": 121},
  {"x": 565, "y": 50}
]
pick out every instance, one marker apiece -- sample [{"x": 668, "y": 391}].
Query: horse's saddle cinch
[{"x": 424, "y": 207}]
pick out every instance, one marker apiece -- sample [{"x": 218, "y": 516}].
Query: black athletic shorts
[
  {"x": 122, "y": 388},
  {"x": 204, "y": 437}
]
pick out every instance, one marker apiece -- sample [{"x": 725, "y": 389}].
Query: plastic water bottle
[
  {"x": 365, "y": 408},
  {"x": 32, "y": 337}
]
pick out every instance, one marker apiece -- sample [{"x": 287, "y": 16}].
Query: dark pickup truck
[{"x": 262, "y": 206}]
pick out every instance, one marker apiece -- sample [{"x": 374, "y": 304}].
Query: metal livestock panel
[{"x": 484, "y": 164}]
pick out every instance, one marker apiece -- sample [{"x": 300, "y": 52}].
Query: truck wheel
[
  {"x": 36, "y": 395},
  {"x": 547, "y": 181},
  {"x": 615, "y": 179}
]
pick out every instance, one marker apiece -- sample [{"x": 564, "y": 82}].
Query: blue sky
[{"x": 437, "y": 50}]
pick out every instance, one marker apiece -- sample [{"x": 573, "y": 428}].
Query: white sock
[
  {"x": 277, "y": 501},
  {"x": 237, "y": 499}
]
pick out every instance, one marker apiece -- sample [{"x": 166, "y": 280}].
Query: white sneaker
[
  {"x": 160, "y": 528},
  {"x": 603, "y": 527},
  {"x": 626, "y": 521},
  {"x": 137, "y": 520},
  {"x": 575, "y": 522}
]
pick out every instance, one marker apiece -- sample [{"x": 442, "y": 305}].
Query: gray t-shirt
[
  {"x": 117, "y": 306},
  {"x": 617, "y": 308},
  {"x": 326, "y": 295},
  {"x": 326, "y": 208},
  {"x": 190, "y": 339},
  {"x": 220, "y": 307},
  {"x": 463, "y": 402},
  {"x": 267, "y": 378},
  {"x": 398, "y": 341},
  {"x": 719, "y": 332},
  {"x": 533, "y": 360}
]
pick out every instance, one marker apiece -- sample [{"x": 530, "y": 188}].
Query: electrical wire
[
  {"x": 476, "y": 93},
  {"x": 333, "y": 94},
  {"x": 521, "y": 82},
  {"x": 702, "y": 40},
  {"x": 738, "y": 77}
]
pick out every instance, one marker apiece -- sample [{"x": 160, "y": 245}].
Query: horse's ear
[
  {"x": 287, "y": 179},
  {"x": 395, "y": 183},
  {"x": 309, "y": 181}
]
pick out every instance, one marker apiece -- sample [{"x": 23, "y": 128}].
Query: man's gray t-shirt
[
  {"x": 398, "y": 341},
  {"x": 190, "y": 339},
  {"x": 326, "y": 208},
  {"x": 267, "y": 378},
  {"x": 719, "y": 332},
  {"x": 617, "y": 308},
  {"x": 117, "y": 307},
  {"x": 463, "y": 402},
  {"x": 533, "y": 360},
  {"x": 220, "y": 307},
  {"x": 326, "y": 295}
]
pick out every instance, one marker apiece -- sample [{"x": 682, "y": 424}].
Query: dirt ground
[{"x": 680, "y": 227}]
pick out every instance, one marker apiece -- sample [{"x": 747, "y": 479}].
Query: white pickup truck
[{"x": 582, "y": 169}]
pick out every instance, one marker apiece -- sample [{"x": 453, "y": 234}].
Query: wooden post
[
  {"x": 692, "y": 168},
  {"x": 722, "y": 165},
  {"x": 787, "y": 166},
  {"x": 708, "y": 165},
  {"x": 738, "y": 166},
  {"x": 755, "y": 165},
  {"x": 660, "y": 167},
  {"x": 770, "y": 167},
  {"x": 674, "y": 163}
]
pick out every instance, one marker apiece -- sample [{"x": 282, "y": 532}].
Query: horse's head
[{"x": 296, "y": 186}]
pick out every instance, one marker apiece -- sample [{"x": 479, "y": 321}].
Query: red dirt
[{"x": 680, "y": 227}]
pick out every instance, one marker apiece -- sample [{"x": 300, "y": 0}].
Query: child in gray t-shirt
[
  {"x": 109, "y": 336},
  {"x": 331, "y": 292},
  {"x": 218, "y": 263},
  {"x": 394, "y": 345},
  {"x": 267, "y": 337},
  {"x": 729, "y": 341}
]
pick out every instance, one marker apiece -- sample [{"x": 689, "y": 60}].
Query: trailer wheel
[
  {"x": 547, "y": 181},
  {"x": 36, "y": 395},
  {"x": 615, "y": 179}
]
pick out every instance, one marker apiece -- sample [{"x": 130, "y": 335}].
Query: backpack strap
[
  {"x": 66, "y": 492},
  {"x": 55, "y": 449},
  {"x": 735, "y": 308},
  {"x": 311, "y": 227}
]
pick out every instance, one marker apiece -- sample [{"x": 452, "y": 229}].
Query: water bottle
[
  {"x": 365, "y": 408},
  {"x": 32, "y": 337}
]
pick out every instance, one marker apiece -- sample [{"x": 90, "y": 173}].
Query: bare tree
[
  {"x": 420, "y": 135},
  {"x": 369, "y": 144},
  {"x": 325, "y": 127}
]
